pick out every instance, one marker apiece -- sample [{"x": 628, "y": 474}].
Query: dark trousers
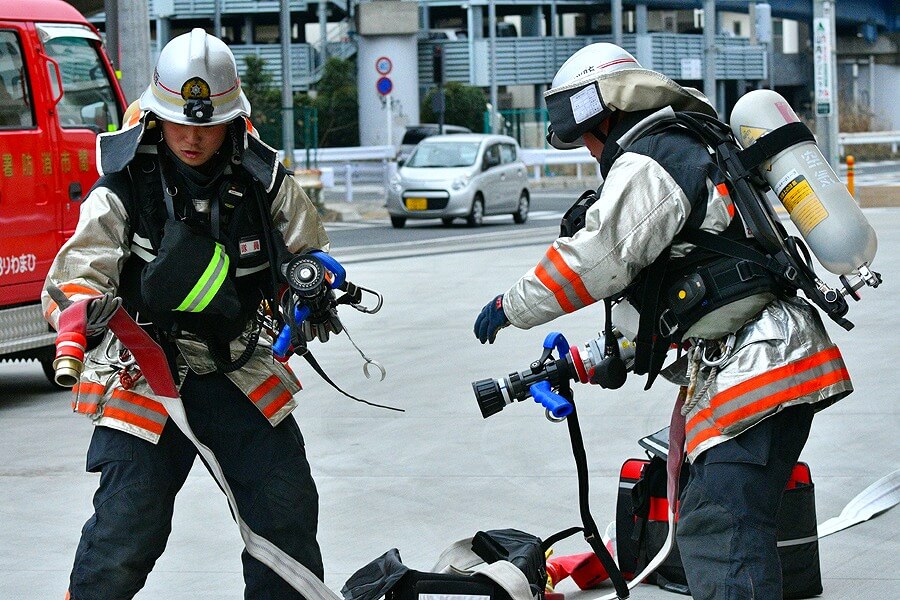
[
  {"x": 726, "y": 529},
  {"x": 266, "y": 468}
]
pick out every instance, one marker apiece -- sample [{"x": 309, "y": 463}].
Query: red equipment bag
[{"x": 642, "y": 526}]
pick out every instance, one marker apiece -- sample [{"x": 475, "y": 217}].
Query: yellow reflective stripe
[
  {"x": 220, "y": 278},
  {"x": 208, "y": 283}
]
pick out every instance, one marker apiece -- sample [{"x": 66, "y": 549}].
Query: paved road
[{"x": 439, "y": 472}]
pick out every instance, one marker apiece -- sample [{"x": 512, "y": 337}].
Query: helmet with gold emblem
[{"x": 196, "y": 82}]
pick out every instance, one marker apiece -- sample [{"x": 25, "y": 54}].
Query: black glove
[
  {"x": 491, "y": 320},
  {"x": 322, "y": 320}
]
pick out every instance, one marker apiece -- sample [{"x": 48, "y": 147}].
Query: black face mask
[{"x": 198, "y": 183}]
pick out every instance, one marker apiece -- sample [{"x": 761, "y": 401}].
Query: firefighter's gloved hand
[
  {"x": 491, "y": 320},
  {"x": 323, "y": 330},
  {"x": 100, "y": 311},
  {"x": 322, "y": 320}
]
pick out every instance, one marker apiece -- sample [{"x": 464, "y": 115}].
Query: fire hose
[{"x": 69, "y": 363}]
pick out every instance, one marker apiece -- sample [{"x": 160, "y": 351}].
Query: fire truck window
[
  {"x": 15, "y": 98},
  {"x": 88, "y": 101}
]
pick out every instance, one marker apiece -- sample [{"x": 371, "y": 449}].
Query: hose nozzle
[
  {"x": 69, "y": 361},
  {"x": 67, "y": 371}
]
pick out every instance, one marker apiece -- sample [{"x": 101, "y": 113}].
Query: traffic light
[{"x": 437, "y": 64}]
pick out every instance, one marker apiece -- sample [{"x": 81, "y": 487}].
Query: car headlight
[
  {"x": 461, "y": 182},
  {"x": 396, "y": 185}
]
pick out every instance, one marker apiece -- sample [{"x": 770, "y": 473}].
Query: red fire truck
[{"x": 57, "y": 92}]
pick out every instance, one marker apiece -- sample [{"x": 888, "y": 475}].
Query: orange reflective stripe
[
  {"x": 764, "y": 392},
  {"x": 789, "y": 370},
  {"x": 722, "y": 189},
  {"x": 701, "y": 437},
  {"x": 139, "y": 400},
  {"x": 797, "y": 391},
  {"x": 86, "y": 397},
  {"x": 277, "y": 404},
  {"x": 545, "y": 278},
  {"x": 129, "y": 417},
  {"x": 570, "y": 275},
  {"x": 271, "y": 396},
  {"x": 264, "y": 388},
  {"x": 702, "y": 415}
]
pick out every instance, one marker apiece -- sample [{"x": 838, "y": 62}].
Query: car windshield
[{"x": 444, "y": 154}]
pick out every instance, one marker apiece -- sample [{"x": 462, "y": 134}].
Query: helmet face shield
[
  {"x": 574, "y": 111},
  {"x": 196, "y": 82}
]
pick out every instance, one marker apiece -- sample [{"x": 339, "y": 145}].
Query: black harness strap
[
  {"x": 773, "y": 142},
  {"x": 589, "y": 527},
  {"x": 318, "y": 369}
]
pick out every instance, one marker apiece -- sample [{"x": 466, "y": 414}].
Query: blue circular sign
[{"x": 384, "y": 86}]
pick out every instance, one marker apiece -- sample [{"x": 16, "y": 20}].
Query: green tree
[
  {"x": 464, "y": 105},
  {"x": 337, "y": 104},
  {"x": 265, "y": 100}
]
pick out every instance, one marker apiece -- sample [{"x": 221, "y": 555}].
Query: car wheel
[
  {"x": 447, "y": 221},
  {"x": 398, "y": 222},
  {"x": 476, "y": 217},
  {"x": 521, "y": 214}
]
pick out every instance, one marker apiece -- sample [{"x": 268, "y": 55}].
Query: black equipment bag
[
  {"x": 389, "y": 578},
  {"x": 642, "y": 526}
]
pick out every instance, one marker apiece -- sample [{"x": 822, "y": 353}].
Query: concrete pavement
[{"x": 439, "y": 472}]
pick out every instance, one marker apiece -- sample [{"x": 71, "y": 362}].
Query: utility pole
[
  {"x": 709, "y": 50},
  {"x": 825, "y": 70},
  {"x": 111, "y": 9},
  {"x": 134, "y": 55},
  {"x": 323, "y": 32},
  {"x": 617, "y": 22},
  {"x": 492, "y": 28},
  {"x": 287, "y": 86},
  {"x": 217, "y": 18}
]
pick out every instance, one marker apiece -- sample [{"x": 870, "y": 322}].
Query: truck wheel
[{"x": 398, "y": 222}]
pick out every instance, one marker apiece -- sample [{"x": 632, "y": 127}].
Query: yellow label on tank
[
  {"x": 751, "y": 134},
  {"x": 802, "y": 204}
]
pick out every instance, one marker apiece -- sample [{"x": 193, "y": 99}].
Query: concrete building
[{"x": 534, "y": 37}]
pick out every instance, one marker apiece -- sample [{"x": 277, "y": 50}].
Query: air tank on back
[{"x": 818, "y": 202}]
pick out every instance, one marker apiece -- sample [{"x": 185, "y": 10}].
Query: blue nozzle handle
[
  {"x": 558, "y": 406},
  {"x": 330, "y": 263},
  {"x": 282, "y": 345},
  {"x": 558, "y": 341}
]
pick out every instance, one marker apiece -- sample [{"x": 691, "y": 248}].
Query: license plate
[{"x": 417, "y": 204}]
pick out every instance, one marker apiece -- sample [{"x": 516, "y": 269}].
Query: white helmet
[
  {"x": 594, "y": 59},
  {"x": 602, "y": 78},
  {"x": 196, "y": 82}
]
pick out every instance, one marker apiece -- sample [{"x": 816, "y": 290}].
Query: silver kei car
[{"x": 461, "y": 175}]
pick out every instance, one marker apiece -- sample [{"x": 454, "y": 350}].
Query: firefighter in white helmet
[
  {"x": 759, "y": 362},
  {"x": 176, "y": 230}
]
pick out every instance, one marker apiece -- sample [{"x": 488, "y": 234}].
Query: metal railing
[
  {"x": 869, "y": 137},
  {"x": 374, "y": 165}
]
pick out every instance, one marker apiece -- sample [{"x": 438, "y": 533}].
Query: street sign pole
[
  {"x": 287, "y": 87},
  {"x": 390, "y": 119},
  {"x": 825, "y": 69}
]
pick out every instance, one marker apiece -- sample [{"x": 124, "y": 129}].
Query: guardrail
[
  {"x": 869, "y": 137},
  {"x": 349, "y": 166},
  {"x": 374, "y": 165}
]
